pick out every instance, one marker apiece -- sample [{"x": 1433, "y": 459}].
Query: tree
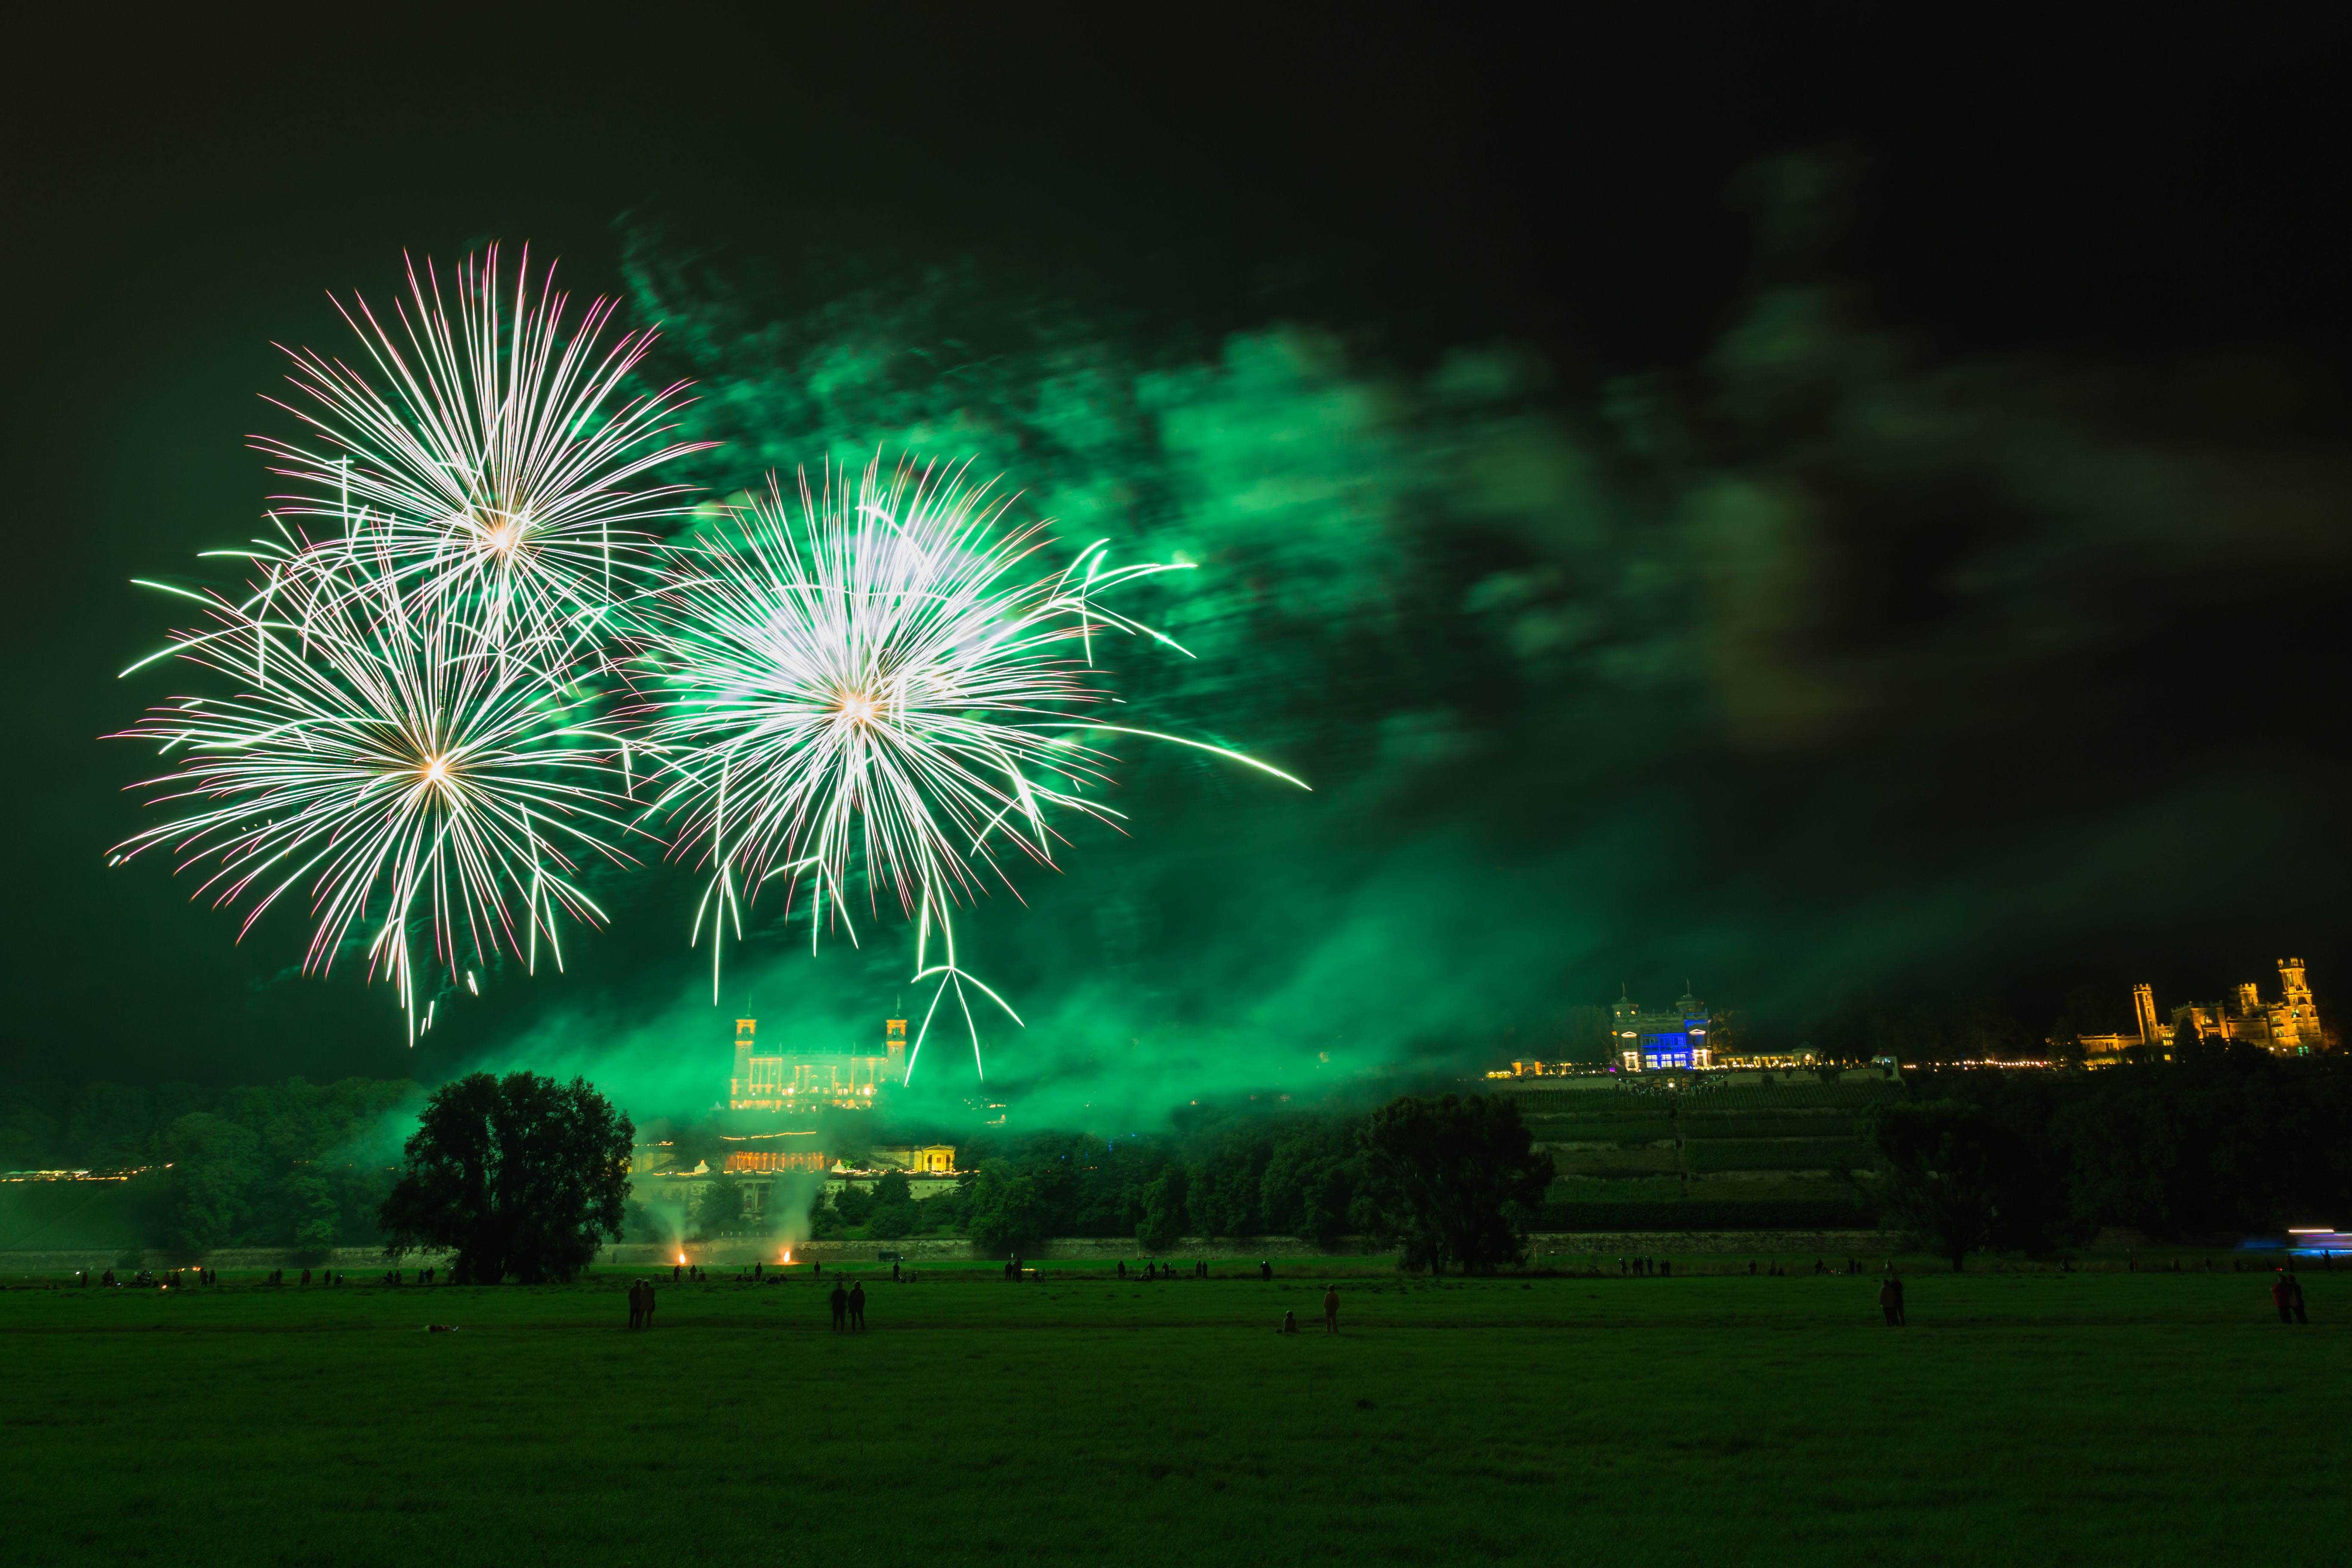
[
  {"x": 216, "y": 1167},
  {"x": 518, "y": 1175},
  {"x": 1441, "y": 1170},
  {"x": 721, "y": 1207},
  {"x": 894, "y": 1213},
  {"x": 854, "y": 1202},
  {"x": 1005, "y": 1210},
  {"x": 1162, "y": 1225},
  {"x": 1961, "y": 1177}
]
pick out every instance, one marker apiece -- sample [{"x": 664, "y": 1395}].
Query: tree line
[
  {"x": 2210, "y": 1142},
  {"x": 525, "y": 1177},
  {"x": 1450, "y": 1181},
  {"x": 293, "y": 1166}
]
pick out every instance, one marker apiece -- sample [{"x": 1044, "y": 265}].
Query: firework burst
[
  {"x": 884, "y": 685},
  {"x": 415, "y": 771},
  {"x": 491, "y": 467}
]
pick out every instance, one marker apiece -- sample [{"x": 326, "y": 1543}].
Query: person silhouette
[
  {"x": 1331, "y": 1309},
  {"x": 858, "y": 1309},
  {"x": 840, "y": 1301}
]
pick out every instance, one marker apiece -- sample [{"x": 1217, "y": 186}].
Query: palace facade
[
  {"x": 803, "y": 1077},
  {"x": 1656, "y": 1042}
]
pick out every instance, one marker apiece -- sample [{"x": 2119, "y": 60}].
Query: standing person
[
  {"x": 676, "y": 1272},
  {"x": 648, "y": 1303},
  {"x": 637, "y": 1307},
  {"x": 893, "y": 1274},
  {"x": 1890, "y": 1302},
  {"x": 2294, "y": 1296},
  {"x": 2282, "y": 1297},
  {"x": 840, "y": 1301},
  {"x": 1122, "y": 1267},
  {"x": 1331, "y": 1309},
  {"x": 858, "y": 1309},
  {"x": 1265, "y": 1269}
]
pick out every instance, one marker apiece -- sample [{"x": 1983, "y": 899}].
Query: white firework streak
[
  {"x": 877, "y": 683},
  {"x": 492, "y": 467},
  {"x": 401, "y": 762}
]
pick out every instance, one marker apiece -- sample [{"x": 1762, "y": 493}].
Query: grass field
[{"x": 2025, "y": 1416}]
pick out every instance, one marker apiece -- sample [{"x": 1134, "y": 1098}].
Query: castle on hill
[{"x": 2289, "y": 1026}]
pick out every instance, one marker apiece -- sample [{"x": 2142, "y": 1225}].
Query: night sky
[{"x": 1793, "y": 506}]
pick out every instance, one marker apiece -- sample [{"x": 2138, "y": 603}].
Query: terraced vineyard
[{"x": 1762, "y": 1157}]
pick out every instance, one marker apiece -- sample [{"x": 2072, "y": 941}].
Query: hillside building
[{"x": 1660, "y": 1042}]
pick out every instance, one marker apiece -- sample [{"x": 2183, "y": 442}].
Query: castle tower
[
  {"x": 894, "y": 1045},
  {"x": 740, "y": 1087},
  {"x": 2152, "y": 1032},
  {"x": 1625, "y": 1015},
  {"x": 2301, "y": 1013}
]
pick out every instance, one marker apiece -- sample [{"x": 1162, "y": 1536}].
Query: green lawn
[{"x": 2022, "y": 1417}]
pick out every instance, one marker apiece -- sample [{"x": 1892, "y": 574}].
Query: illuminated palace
[
  {"x": 804, "y": 1079},
  {"x": 2289, "y": 1026},
  {"x": 790, "y": 1086},
  {"x": 1652, "y": 1042}
]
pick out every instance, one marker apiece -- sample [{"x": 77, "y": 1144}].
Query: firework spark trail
[
  {"x": 493, "y": 467},
  {"x": 876, "y": 684},
  {"x": 402, "y": 761}
]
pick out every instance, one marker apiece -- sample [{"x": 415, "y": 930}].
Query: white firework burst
[
  {"x": 418, "y": 776},
  {"x": 488, "y": 456},
  {"x": 885, "y": 684}
]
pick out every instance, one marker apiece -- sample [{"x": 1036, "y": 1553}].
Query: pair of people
[
  {"x": 848, "y": 1309},
  {"x": 2286, "y": 1295},
  {"x": 1890, "y": 1302},
  {"x": 641, "y": 1304}
]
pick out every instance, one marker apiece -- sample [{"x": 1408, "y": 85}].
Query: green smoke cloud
[{"x": 1826, "y": 658}]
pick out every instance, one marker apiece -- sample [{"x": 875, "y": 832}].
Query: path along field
[{"x": 2021, "y": 1416}]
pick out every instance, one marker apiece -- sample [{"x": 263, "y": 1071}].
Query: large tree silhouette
[
  {"x": 519, "y": 1175},
  {"x": 1441, "y": 1171}
]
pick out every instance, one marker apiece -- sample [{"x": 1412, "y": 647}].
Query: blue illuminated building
[{"x": 1661, "y": 1042}]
